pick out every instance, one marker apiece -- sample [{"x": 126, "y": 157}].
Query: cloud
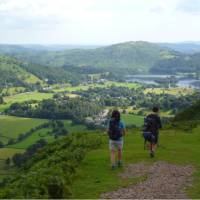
[
  {"x": 189, "y": 6},
  {"x": 98, "y": 21}
]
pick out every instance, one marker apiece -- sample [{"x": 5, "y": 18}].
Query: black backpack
[
  {"x": 150, "y": 124},
  {"x": 114, "y": 130}
]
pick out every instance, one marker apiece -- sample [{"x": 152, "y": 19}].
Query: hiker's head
[
  {"x": 116, "y": 115},
  {"x": 155, "y": 109}
]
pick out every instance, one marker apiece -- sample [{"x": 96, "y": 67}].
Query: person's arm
[{"x": 123, "y": 129}]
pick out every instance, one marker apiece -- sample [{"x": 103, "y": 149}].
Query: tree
[
  {"x": 1, "y": 144},
  {"x": 8, "y": 161},
  {"x": 1, "y": 100}
]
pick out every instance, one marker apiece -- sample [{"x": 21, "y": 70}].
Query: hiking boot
[
  {"x": 152, "y": 154},
  {"x": 120, "y": 163},
  {"x": 113, "y": 167}
]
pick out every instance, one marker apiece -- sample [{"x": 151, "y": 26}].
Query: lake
[{"x": 151, "y": 79}]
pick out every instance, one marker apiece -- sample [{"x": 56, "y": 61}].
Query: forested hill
[
  {"x": 184, "y": 47},
  {"x": 16, "y": 73},
  {"x": 12, "y": 74},
  {"x": 186, "y": 63},
  {"x": 128, "y": 58},
  {"x": 135, "y": 56}
]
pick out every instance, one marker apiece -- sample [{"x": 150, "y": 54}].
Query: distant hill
[
  {"x": 124, "y": 58},
  {"x": 136, "y": 57},
  {"x": 189, "y": 63},
  {"x": 184, "y": 47}
]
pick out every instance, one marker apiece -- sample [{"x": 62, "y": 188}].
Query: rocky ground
[{"x": 164, "y": 181}]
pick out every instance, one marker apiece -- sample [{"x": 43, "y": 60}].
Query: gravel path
[{"x": 165, "y": 181}]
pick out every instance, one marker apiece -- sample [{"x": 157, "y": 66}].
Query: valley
[{"x": 50, "y": 97}]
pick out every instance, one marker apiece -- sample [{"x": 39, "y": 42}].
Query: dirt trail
[{"x": 165, "y": 181}]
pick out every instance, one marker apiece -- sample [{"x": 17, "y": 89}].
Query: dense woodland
[{"x": 76, "y": 109}]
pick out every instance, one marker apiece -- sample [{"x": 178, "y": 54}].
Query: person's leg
[
  {"x": 112, "y": 157},
  {"x": 112, "y": 153},
  {"x": 119, "y": 154},
  {"x": 119, "y": 148},
  {"x": 119, "y": 157},
  {"x": 154, "y": 145}
]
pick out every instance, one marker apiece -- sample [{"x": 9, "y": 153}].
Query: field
[
  {"x": 95, "y": 176},
  {"x": 32, "y": 139},
  {"x": 11, "y": 127},
  {"x": 133, "y": 120},
  {"x": 44, "y": 134},
  {"x": 24, "y": 97}
]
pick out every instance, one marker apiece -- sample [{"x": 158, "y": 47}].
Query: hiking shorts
[
  {"x": 116, "y": 144},
  {"x": 153, "y": 138}
]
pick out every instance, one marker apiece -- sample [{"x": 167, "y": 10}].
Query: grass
[
  {"x": 74, "y": 128},
  {"x": 95, "y": 176},
  {"x": 13, "y": 90},
  {"x": 130, "y": 119},
  {"x": 8, "y": 152},
  {"x": 13, "y": 126}
]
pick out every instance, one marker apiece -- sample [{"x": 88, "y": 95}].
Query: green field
[
  {"x": 24, "y": 97},
  {"x": 32, "y": 139},
  {"x": 130, "y": 119},
  {"x": 44, "y": 134},
  {"x": 13, "y": 126},
  {"x": 95, "y": 176}
]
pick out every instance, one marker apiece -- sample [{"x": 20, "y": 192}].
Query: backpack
[
  {"x": 114, "y": 131},
  {"x": 150, "y": 124}
]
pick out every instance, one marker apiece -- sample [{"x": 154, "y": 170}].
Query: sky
[{"x": 92, "y": 22}]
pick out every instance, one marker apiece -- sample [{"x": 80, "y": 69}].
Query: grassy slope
[
  {"x": 13, "y": 66},
  {"x": 95, "y": 177},
  {"x": 133, "y": 120}
]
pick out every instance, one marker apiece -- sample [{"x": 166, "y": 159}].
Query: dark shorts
[{"x": 153, "y": 138}]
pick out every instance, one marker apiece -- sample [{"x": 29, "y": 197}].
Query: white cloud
[
  {"x": 98, "y": 21},
  {"x": 189, "y": 6}
]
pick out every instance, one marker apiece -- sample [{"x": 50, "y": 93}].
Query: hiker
[
  {"x": 152, "y": 125},
  {"x": 116, "y": 131}
]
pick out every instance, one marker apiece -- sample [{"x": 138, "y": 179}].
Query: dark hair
[
  {"x": 116, "y": 115},
  {"x": 155, "y": 109}
]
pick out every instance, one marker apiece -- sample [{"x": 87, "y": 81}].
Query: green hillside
[
  {"x": 67, "y": 177},
  {"x": 12, "y": 74},
  {"x": 128, "y": 57},
  {"x": 135, "y": 56},
  {"x": 182, "y": 63}
]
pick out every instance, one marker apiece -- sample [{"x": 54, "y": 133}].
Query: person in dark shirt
[{"x": 153, "y": 125}]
